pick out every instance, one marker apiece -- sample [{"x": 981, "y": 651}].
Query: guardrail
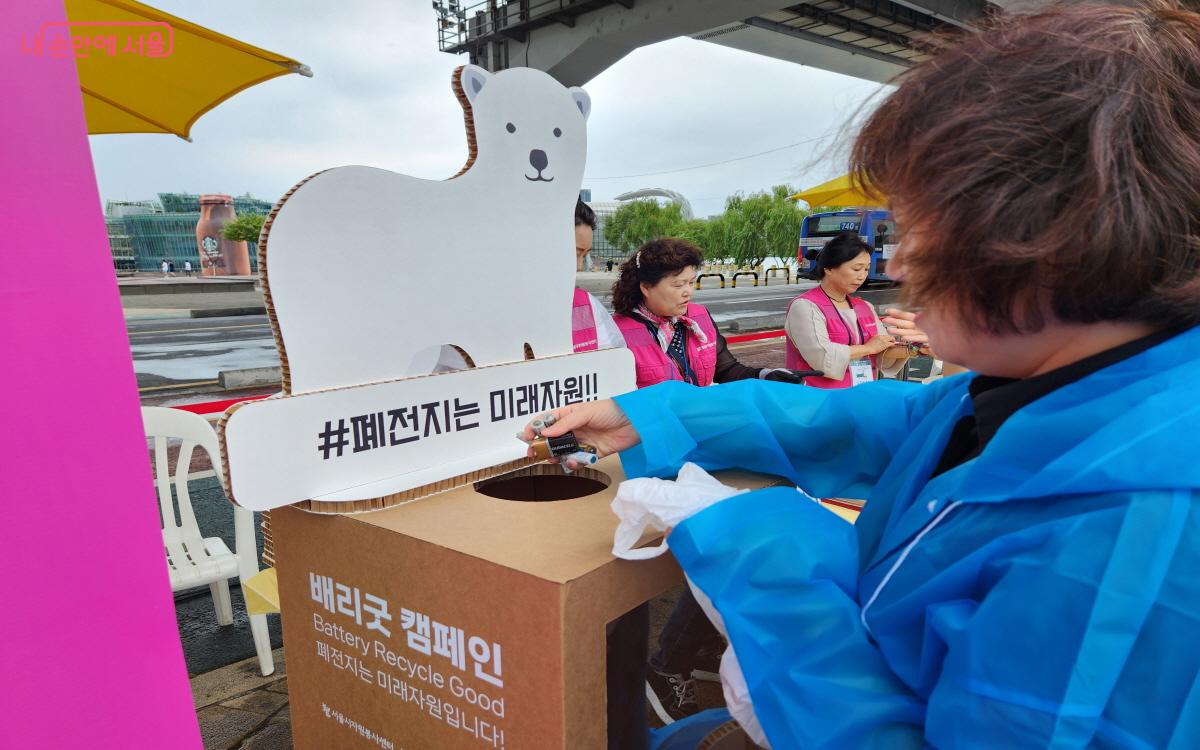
[
  {"x": 745, "y": 273},
  {"x": 720, "y": 276},
  {"x": 755, "y": 336},
  {"x": 787, "y": 275}
]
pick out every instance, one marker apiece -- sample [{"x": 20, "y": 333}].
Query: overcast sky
[{"x": 380, "y": 96}]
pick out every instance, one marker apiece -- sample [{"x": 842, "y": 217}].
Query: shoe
[
  {"x": 707, "y": 665},
  {"x": 671, "y": 696}
]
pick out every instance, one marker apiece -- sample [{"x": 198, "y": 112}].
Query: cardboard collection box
[{"x": 461, "y": 620}]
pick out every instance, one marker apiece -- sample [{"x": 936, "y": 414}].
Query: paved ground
[{"x": 240, "y": 709}]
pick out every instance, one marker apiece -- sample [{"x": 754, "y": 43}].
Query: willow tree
[{"x": 640, "y": 221}]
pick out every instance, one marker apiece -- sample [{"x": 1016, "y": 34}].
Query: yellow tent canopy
[
  {"x": 840, "y": 191},
  {"x": 162, "y": 90}
]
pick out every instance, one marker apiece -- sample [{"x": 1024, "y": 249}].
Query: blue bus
[{"x": 875, "y": 225}]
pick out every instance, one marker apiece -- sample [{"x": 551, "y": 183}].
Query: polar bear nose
[{"x": 538, "y": 159}]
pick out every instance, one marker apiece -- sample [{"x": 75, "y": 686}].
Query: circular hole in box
[{"x": 542, "y": 483}]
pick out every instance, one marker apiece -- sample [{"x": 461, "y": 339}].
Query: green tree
[
  {"x": 245, "y": 228},
  {"x": 640, "y": 221},
  {"x": 762, "y": 225},
  {"x": 704, "y": 234}
]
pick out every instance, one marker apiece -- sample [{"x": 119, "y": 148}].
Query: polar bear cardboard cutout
[{"x": 368, "y": 274}]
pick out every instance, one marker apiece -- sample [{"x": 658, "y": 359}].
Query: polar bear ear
[
  {"x": 582, "y": 100},
  {"x": 473, "y": 79}
]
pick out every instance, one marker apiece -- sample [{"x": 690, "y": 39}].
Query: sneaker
[
  {"x": 707, "y": 665},
  {"x": 671, "y": 696}
]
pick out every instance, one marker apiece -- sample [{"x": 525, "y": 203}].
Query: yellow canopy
[
  {"x": 838, "y": 192},
  {"x": 165, "y": 90}
]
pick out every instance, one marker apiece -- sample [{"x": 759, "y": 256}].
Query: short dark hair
[
  {"x": 843, "y": 248},
  {"x": 651, "y": 262},
  {"x": 1049, "y": 163},
  {"x": 584, "y": 214}
]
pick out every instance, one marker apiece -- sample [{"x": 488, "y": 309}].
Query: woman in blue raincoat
[{"x": 1026, "y": 573}]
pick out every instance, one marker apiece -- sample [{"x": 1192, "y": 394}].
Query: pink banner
[{"x": 90, "y": 656}]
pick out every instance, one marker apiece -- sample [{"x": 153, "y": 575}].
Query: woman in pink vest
[
  {"x": 673, "y": 338},
  {"x": 830, "y": 331}
]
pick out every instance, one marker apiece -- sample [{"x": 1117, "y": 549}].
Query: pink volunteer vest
[
  {"x": 836, "y": 325},
  {"x": 653, "y": 364},
  {"x": 583, "y": 323}
]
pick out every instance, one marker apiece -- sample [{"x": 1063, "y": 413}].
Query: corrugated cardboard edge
[
  {"x": 265, "y": 279},
  {"x": 468, "y": 119},
  {"x": 365, "y": 506},
  {"x": 388, "y": 501},
  {"x": 264, "y": 234}
]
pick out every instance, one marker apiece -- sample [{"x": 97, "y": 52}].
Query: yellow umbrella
[
  {"x": 145, "y": 71},
  {"x": 839, "y": 192}
]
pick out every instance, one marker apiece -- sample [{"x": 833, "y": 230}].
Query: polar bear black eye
[
  {"x": 510, "y": 128},
  {"x": 558, "y": 132}
]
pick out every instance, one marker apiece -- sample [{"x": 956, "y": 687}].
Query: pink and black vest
[
  {"x": 653, "y": 364},
  {"x": 583, "y": 323},
  {"x": 839, "y": 333}
]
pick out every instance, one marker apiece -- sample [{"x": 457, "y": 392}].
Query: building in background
[
  {"x": 121, "y": 245},
  {"x": 602, "y": 249},
  {"x": 142, "y": 234}
]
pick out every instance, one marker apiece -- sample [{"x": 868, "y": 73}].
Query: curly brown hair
[
  {"x": 1050, "y": 165},
  {"x": 651, "y": 262}
]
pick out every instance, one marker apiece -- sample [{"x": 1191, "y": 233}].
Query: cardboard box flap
[{"x": 554, "y": 540}]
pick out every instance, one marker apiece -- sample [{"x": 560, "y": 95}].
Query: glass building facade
[
  {"x": 142, "y": 234},
  {"x": 602, "y": 249}
]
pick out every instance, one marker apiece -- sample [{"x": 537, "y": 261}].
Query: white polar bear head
[{"x": 525, "y": 127}]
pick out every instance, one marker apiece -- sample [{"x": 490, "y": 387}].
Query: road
[{"x": 170, "y": 354}]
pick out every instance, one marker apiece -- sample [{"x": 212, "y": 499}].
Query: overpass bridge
[{"x": 575, "y": 40}]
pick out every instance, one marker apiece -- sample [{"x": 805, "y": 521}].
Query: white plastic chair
[{"x": 191, "y": 559}]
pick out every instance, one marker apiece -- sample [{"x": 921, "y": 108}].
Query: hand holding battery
[
  {"x": 599, "y": 425},
  {"x": 565, "y": 448},
  {"x": 902, "y": 325}
]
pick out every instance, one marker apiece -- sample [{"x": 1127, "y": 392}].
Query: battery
[{"x": 550, "y": 447}]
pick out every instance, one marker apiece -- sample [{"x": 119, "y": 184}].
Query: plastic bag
[
  {"x": 660, "y": 504},
  {"x": 733, "y": 683}
]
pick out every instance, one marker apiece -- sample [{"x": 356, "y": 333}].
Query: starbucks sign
[{"x": 209, "y": 246}]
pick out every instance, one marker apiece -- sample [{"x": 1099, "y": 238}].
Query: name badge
[{"x": 861, "y": 371}]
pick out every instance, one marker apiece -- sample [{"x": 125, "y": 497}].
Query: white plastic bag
[
  {"x": 660, "y": 504},
  {"x": 733, "y": 683}
]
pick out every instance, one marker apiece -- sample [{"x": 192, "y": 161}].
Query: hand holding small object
[
  {"x": 903, "y": 326},
  {"x": 880, "y": 343},
  {"x": 599, "y": 424}
]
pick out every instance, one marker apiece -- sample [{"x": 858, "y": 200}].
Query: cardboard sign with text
[
  {"x": 462, "y": 621},
  {"x": 384, "y": 439},
  {"x": 370, "y": 275}
]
